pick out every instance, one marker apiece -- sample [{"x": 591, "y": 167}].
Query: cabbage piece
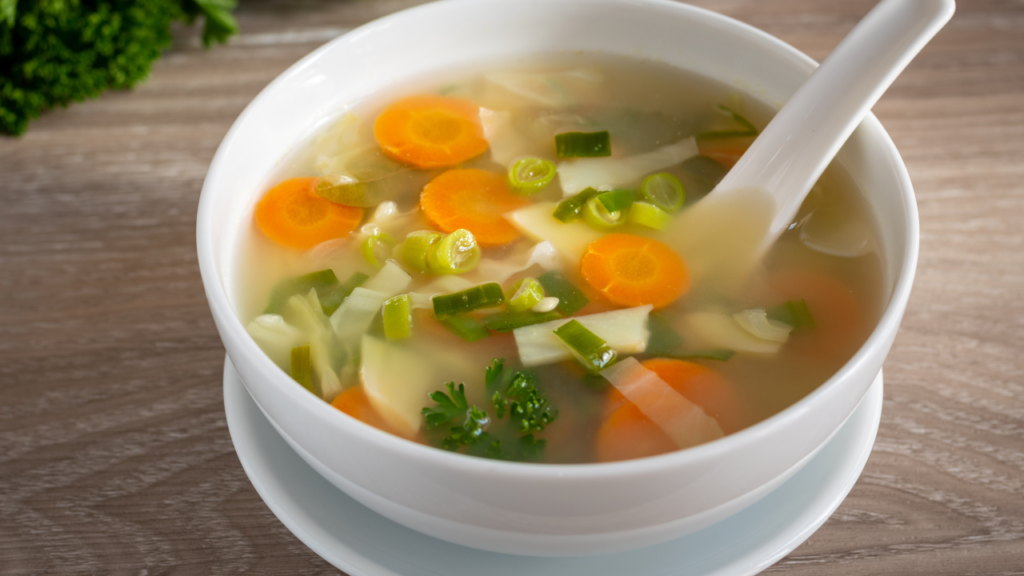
[
  {"x": 336, "y": 145},
  {"x": 608, "y": 173},
  {"x": 391, "y": 280},
  {"x": 543, "y": 254},
  {"x": 756, "y": 322},
  {"x": 719, "y": 330},
  {"x": 306, "y": 314},
  {"x": 447, "y": 284},
  {"x": 625, "y": 331},
  {"x": 356, "y": 313},
  {"x": 505, "y": 141},
  {"x": 549, "y": 89},
  {"x": 276, "y": 338},
  {"x": 681, "y": 420},
  {"x": 537, "y": 222}
]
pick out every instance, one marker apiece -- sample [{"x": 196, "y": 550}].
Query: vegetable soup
[{"x": 484, "y": 263}]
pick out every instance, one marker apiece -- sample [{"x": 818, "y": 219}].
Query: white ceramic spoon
[{"x": 725, "y": 235}]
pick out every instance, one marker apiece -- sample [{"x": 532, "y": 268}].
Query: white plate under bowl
[{"x": 362, "y": 543}]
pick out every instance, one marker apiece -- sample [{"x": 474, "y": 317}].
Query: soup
[{"x": 485, "y": 264}]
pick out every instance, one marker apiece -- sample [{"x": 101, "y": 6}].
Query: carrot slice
[
  {"x": 430, "y": 131},
  {"x": 634, "y": 271},
  {"x": 472, "y": 199},
  {"x": 293, "y": 214},
  {"x": 839, "y": 318},
  {"x": 628, "y": 434},
  {"x": 726, "y": 151},
  {"x": 355, "y": 403}
]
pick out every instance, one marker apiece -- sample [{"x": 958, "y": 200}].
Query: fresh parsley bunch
[
  {"x": 54, "y": 52},
  {"x": 475, "y": 431}
]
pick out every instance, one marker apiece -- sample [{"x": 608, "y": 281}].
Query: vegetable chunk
[
  {"x": 294, "y": 215},
  {"x": 472, "y": 199},
  {"x": 633, "y": 271},
  {"x": 430, "y": 131}
]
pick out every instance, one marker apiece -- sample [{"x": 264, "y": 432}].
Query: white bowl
[{"x": 531, "y": 508}]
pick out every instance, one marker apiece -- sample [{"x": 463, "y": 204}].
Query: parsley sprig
[{"x": 469, "y": 428}]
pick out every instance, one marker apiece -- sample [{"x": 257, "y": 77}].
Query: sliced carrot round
[
  {"x": 356, "y": 404},
  {"x": 293, "y": 214},
  {"x": 472, "y": 199},
  {"x": 628, "y": 434},
  {"x": 839, "y": 318},
  {"x": 430, "y": 131},
  {"x": 634, "y": 271}
]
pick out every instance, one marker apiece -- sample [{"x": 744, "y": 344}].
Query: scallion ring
[
  {"x": 376, "y": 249},
  {"x": 664, "y": 190},
  {"x": 456, "y": 253},
  {"x": 649, "y": 215},
  {"x": 599, "y": 218},
  {"x": 417, "y": 246},
  {"x": 530, "y": 175}
]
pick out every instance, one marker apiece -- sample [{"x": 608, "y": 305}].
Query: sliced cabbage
[
  {"x": 543, "y": 254},
  {"x": 717, "y": 330},
  {"x": 276, "y": 338},
  {"x": 336, "y": 145},
  {"x": 681, "y": 420},
  {"x": 391, "y": 280},
  {"x": 625, "y": 331},
  {"x": 306, "y": 314},
  {"x": 608, "y": 173},
  {"x": 505, "y": 141},
  {"x": 550, "y": 89},
  {"x": 537, "y": 223}
]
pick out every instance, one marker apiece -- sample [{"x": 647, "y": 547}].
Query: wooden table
[{"x": 114, "y": 453}]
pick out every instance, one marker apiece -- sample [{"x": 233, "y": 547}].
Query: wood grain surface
[{"x": 114, "y": 453}]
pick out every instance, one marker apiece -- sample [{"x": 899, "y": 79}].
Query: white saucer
[{"x": 362, "y": 543}]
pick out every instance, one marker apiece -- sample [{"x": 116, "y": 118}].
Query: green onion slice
[
  {"x": 570, "y": 299},
  {"x": 617, "y": 200},
  {"x": 509, "y": 321},
  {"x": 332, "y": 299},
  {"x": 530, "y": 175},
  {"x": 376, "y": 249},
  {"x": 417, "y": 248},
  {"x": 321, "y": 280},
  {"x": 302, "y": 368},
  {"x": 748, "y": 128},
  {"x": 794, "y": 312},
  {"x": 571, "y": 208},
  {"x": 589, "y": 348},
  {"x": 456, "y": 253},
  {"x": 664, "y": 190},
  {"x": 599, "y": 218},
  {"x": 583, "y": 144},
  {"x": 397, "y": 315},
  {"x": 466, "y": 327},
  {"x": 649, "y": 215},
  {"x": 526, "y": 294},
  {"x": 486, "y": 295},
  {"x": 720, "y": 354}
]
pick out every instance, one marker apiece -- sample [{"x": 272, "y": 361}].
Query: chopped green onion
[
  {"x": 509, "y": 321},
  {"x": 321, "y": 280},
  {"x": 664, "y": 190},
  {"x": 417, "y": 248},
  {"x": 526, "y": 293},
  {"x": 748, "y": 127},
  {"x": 333, "y": 298},
  {"x": 302, "y": 368},
  {"x": 599, "y": 218},
  {"x": 530, "y": 175},
  {"x": 589, "y": 348},
  {"x": 617, "y": 200},
  {"x": 794, "y": 312},
  {"x": 720, "y": 354},
  {"x": 456, "y": 253},
  {"x": 376, "y": 249},
  {"x": 664, "y": 339},
  {"x": 570, "y": 299},
  {"x": 649, "y": 215},
  {"x": 571, "y": 208},
  {"x": 398, "y": 317},
  {"x": 466, "y": 327},
  {"x": 583, "y": 144},
  {"x": 482, "y": 296}
]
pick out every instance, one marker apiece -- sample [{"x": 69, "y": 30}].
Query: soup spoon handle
[{"x": 793, "y": 150}]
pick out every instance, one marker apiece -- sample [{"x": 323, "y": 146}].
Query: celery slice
[
  {"x": 302, "y": 368},
  {"x": 589, "y": 348},
  {"x": 599, "y": 218},
  {"x": 530, "y": 175},
  {"x": 649, "y": 215},
  {"x": 456, "y": 253},
  {"x": 398, "y": 318},
  {"x": 321, "y": 280},
  {"x": 583, "y": 144},
  {"x": 570, "y": 299},
  {"x": 571, "y": 208},
  {"x": 794, "y": 312},
  {"x": 466, "y": 327},
  {"x": 526, "y": 293},
  {"x": 509, "y": 321},
  {"x": 416, "y": 248},
  {"x": 664, "y": 190},
  {"x": 483, "y": 296},
  {"x": 333, "y": 298},
  {"x": 376, "y": 249}
]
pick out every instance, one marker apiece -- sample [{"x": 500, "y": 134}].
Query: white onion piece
[
  {"x": 683, "y": 421},
  {"x": 722, "y": 331},
  {"x": 609, "y": 172},
  {"x": 756, "y": 322},
  {"x": 625, "y": 331},
  {"x": 385, "y": 211},
  {"x": 546, "y": 304},
  {"x": 835, "y": 231}
]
